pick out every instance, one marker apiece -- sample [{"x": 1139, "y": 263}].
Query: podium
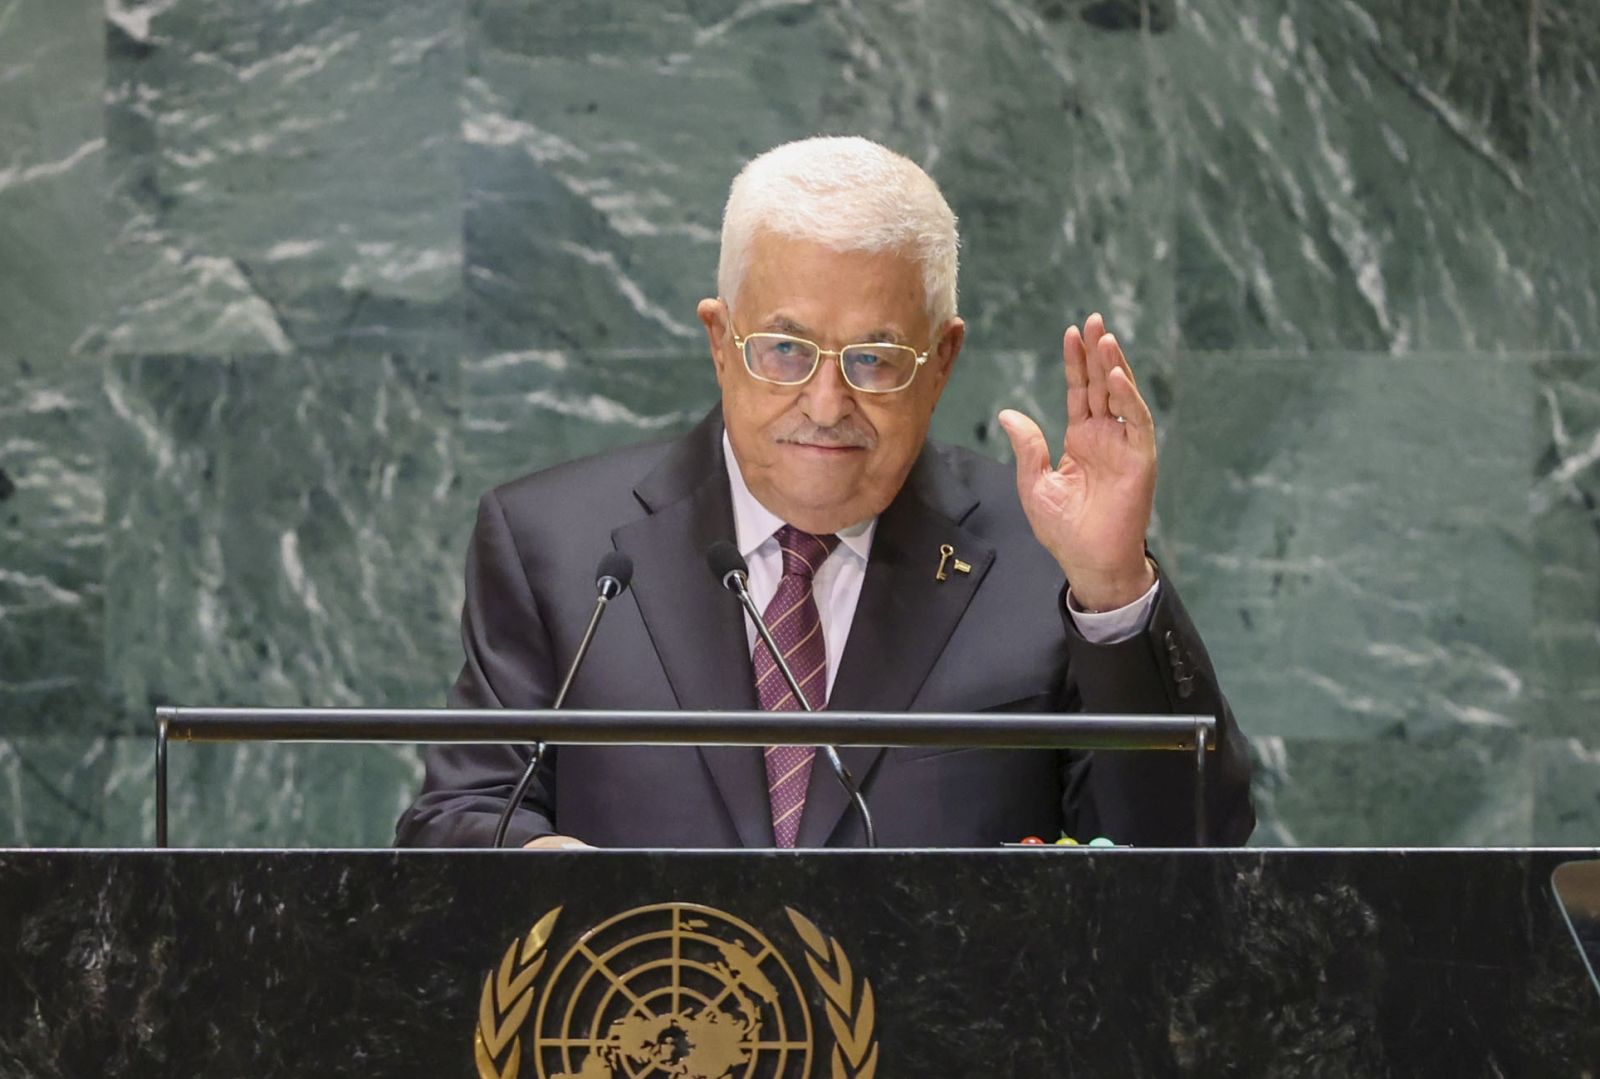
[
  {"x": 1010, "y": 962},
  {"x": 843, "y": 964}
]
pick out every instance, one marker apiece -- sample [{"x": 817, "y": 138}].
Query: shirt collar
[{"x": 754, "y": 524}]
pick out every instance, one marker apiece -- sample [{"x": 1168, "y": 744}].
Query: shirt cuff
[{"x": 1113, "y": 627}]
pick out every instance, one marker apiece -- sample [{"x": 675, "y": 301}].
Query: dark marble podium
[{"x": 985, "y": 963}]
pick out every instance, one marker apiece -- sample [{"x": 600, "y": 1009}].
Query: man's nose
[{"x": 827, "y": 398}]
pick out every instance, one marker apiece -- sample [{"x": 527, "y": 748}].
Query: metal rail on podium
[{"x": 1195, "y": 734}]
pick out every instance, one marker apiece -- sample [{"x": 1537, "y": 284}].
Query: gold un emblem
[{"x": 671, "y": 991}]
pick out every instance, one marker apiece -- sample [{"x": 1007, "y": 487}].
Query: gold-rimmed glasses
[{"x": 785, "y": 360}]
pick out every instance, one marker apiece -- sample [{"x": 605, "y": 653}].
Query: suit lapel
[
  {"x": 903, "y": 620},
  {"x": 697, "y": 629}
]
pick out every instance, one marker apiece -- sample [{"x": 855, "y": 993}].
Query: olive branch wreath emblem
[
  {"x": 851, "y": 1016},
  {"x": 509, "y": 993}
]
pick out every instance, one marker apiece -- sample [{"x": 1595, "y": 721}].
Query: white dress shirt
[{"x": 836, "y": 586}]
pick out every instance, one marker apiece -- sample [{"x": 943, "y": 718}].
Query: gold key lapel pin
[{"x": 947, "y": 556}]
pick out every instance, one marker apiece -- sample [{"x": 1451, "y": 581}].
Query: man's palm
[{"x": 1091, "y": 509}]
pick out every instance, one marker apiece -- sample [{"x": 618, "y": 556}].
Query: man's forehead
[{"x": 781, "y": 321}]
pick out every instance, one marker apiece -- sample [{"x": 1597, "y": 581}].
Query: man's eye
[
  {"x": 863, "y": 358},
  {"x": 785, "y": 348}
]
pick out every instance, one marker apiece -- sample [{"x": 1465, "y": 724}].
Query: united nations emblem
[{"x": 671, "y": 991}]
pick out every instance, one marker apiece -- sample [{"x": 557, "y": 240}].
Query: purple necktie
[{"x": 797, "y": 627}]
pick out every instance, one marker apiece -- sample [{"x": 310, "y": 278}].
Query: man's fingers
[
  {"x": 1076, "y": 359},
  {"x": 1027, "y": 442},
  {"x": 1093, "y": 328},
  {"x": 1100, "y": 382},
  {"x": 1125, "y": 402},
  {"x": 555, "y": 842},
  {"x": 1095, "y": 362},
  {"x": 1112, "y": 358},
  {"x": 1115, "y": 357}
]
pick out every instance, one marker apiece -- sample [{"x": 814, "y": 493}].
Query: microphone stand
[
  {"x": 736, "y": 581},
  {"x": 610, "y": 587}
]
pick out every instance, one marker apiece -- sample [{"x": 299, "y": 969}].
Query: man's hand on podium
[{"x": 555, "y": 842}]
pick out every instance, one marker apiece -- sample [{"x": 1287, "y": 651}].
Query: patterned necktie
[{"x": 797, "y": 628}]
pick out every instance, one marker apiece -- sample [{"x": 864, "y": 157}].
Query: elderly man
[{"x": 900, "y": 574}]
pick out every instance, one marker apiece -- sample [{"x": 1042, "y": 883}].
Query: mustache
[{"x": 846, "y": 434}]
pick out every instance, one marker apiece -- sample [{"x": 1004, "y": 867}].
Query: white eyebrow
[{"x": 884, "y": 334}]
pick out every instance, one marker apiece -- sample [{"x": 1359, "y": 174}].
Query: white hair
[{"x": 848, "y": 194}]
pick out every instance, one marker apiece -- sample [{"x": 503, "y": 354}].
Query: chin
[{"x": 833, "y": 514}]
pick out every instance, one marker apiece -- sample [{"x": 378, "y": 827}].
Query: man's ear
[
  {"x": 951, "y": 336},
  {"x": 711, "y": 314}
]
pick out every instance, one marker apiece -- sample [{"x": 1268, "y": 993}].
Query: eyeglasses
[{"x": 783, "y": 360}]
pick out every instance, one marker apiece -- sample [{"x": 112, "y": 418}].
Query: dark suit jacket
[{"x": 996, "y": 638}]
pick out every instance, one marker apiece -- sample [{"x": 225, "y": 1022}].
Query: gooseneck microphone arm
[
  {"x": 611, "y": 580},
  {"x": 730, "y": 568}
]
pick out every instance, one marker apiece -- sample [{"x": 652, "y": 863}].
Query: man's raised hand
[{"x": 1091, "y": 509}]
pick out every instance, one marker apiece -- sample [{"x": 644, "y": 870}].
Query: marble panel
[
  {"x": 52, "y": 155},
  {"x": 284, "y": 175},
  {"x": 601, "y": 138},
  {"x": 99, "y": 791},
  {"x": 269, "y": 795},
  {"x": 529, "y": 410},
  {"x": 1470, "y": 789},
  {"x": 984, "y": 382},
  {"x": 52, "y": 550},
  {"x": 1566, "y": 777},
  {"x": 51, "y": 289},
  {"x": 1058, "y": 154},
  {"x": 1461, "y": 58},
  {"x": 1565, "y": 507},
  {"x": 1352, "y": 533},
  {"x": 77, "y": 790},
  {"x": 1357, "y": 176},
  {"x": 1566, "y": 162},
  {"x": 283, "y": 530}
]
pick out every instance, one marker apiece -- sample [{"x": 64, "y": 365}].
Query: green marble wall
[{"x": 285, "y": 284}]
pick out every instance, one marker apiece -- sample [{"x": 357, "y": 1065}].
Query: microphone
[
  {"x": 730, "y": 568},
  {"x": 612, "y": 578},
  {"x": 614, "y": 574}
]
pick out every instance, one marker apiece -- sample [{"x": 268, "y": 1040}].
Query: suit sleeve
[
  {"x": 508, "y": 665},
  {"x": 1146, "y": 799}
]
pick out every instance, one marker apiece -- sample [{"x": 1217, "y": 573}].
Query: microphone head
[
  {"x": 727, "y": 564},
  {"x": 614, "y": 574}
]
